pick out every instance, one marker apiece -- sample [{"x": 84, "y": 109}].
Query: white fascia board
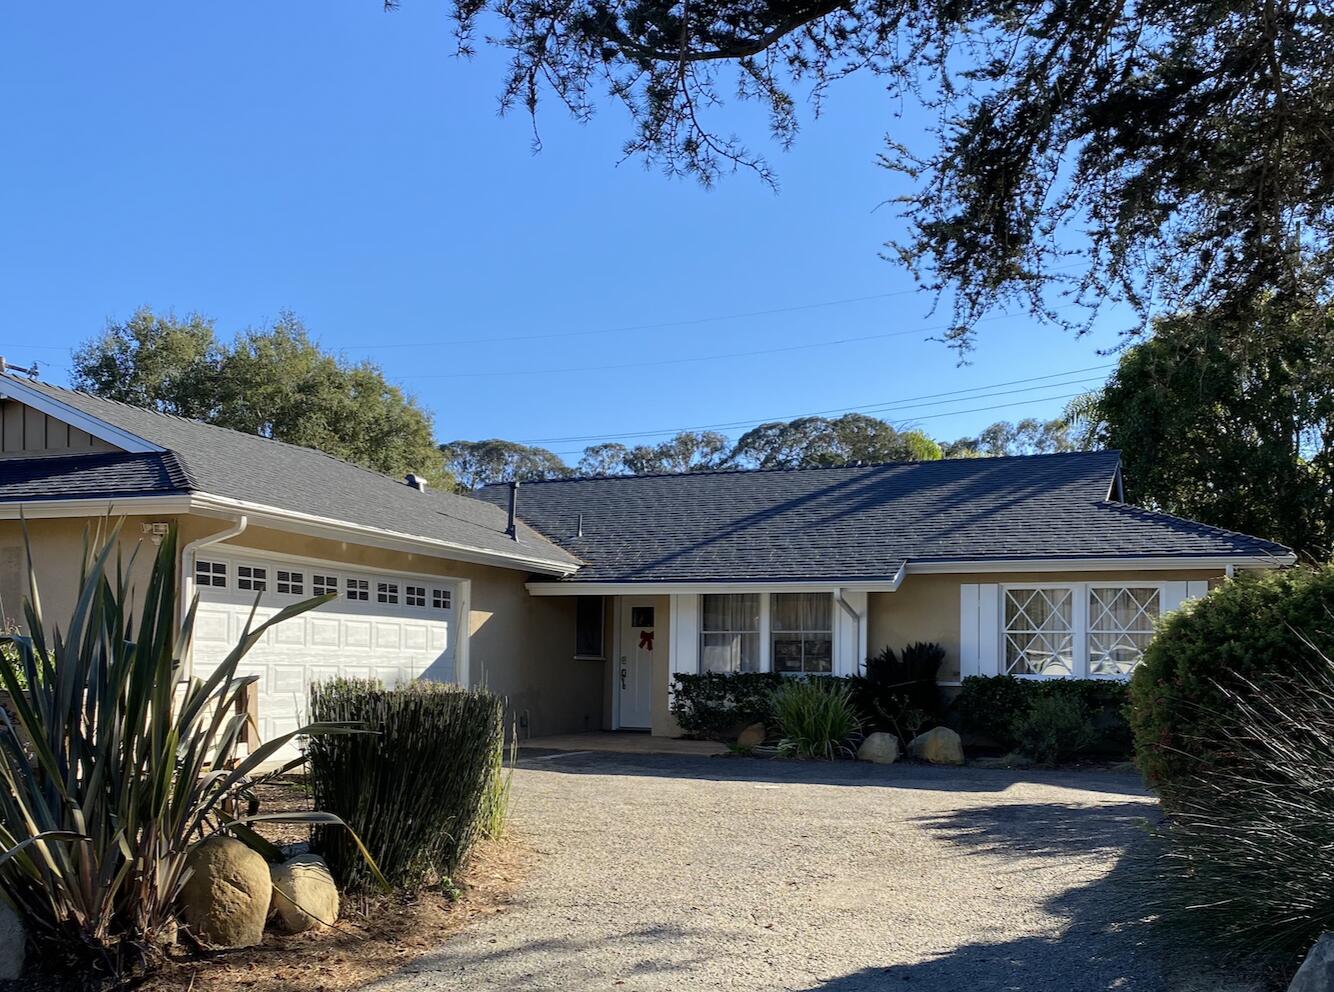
[
  {"x": 52, "y": 407},
  {"x": 278, "y": 519},
  {"x": 698, "y": 588},
  {"x": 1219, "y": 562},
  {"x": 341, "y": 530}
]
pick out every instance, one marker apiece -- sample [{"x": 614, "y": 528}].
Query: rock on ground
[
  {"x": 225, "y": 901},
  {"x": 939, "y": 746},
  {"x": 304, "y": 894},
  {"x": 752, "y": 736},
  {"x": 1317, "y": 972},
  {"x": 11, "y": 942},
  {"x": 879, "y": 747}
]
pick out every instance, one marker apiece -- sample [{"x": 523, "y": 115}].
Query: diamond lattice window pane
[
  {"x": 1039, "y": 632},
  {"x": 1121, "y": 623}
]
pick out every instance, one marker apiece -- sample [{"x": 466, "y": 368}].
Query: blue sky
[{"x": 337, "y": 161}]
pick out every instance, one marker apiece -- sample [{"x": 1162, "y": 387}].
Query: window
[
  {"x": 386, "y": 592},
  {"x": 358, "y": 589},
  {"x": 1120, "y": 627},
  {"x": 1039, "y": 631},
  {"x": 414, "y": 595},
  {"x": 252, "y": 577},
  {"x": 801, "y": 632},
  {"x": 588, "y": 626},
  {"x": 322, "y": 585},
  {"x": 211, "y": 573},
  {"x": 292, "y": 583},
  {"x": 730, "y": 633},
  {"x": 439, "y": 599}
]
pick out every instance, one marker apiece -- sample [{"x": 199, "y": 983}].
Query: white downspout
[{"x": 188, "y": 554}]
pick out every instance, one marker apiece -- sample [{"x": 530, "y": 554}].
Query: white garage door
[{"x": 394, "y": 628}]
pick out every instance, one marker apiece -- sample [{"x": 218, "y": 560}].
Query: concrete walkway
[
  {"x": 676, "y": 874},
  {"x": 622, "y": 742}
]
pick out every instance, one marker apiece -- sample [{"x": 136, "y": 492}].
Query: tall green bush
[
  {"x": 816, "y": 717},
  {"x": 416, "y": 789},
  {"x": 116, "y": 761},
  {"x": 998, "y": 708},
  {"x": 1251, "y": 628}
]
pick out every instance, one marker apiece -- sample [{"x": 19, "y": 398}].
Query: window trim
[
  {"x": 766, "y": 632},
  {"x": 1079, "y": 622},
  {"x": 767, "y": 615}
]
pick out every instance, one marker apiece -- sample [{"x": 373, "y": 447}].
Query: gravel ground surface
[{"x": 674, "y": 873}]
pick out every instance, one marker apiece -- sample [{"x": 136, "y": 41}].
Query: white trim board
[{"x": 15, "y": 389}]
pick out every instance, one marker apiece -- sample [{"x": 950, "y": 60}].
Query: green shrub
[
  {"x": 1244, "y": 862},
  {"x": 900, "y": 694},
  {"x": 1056, "y": 729},
  {"x": 816, "y": 717},
  {"x": 414, "y": 790},
  {"x": 114, "y": 763},
  {"x": 1248, "y": 629},
  {"x": 718, "y": 704},
  {"x": 994, "y": 707}
]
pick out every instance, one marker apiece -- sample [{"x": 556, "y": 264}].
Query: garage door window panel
[
  {"x": 252, "y": 578},
  {"x": 359, "y": 590},
  {"x": 291, "y": 583},
  {"x": 387, "y": 593},
  {"x": 211, "y": 573}
]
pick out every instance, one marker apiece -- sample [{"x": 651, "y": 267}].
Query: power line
[{"x": 867, "y": 408}]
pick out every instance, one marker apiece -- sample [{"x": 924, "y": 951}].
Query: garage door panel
[
  {"x": 356, "y": 634},
  {"x": 388, "y": 636},
  {"x": 415, "y": 637},
  {"x": 323, "y": 632},
  {"x": 437, "y": 637}
]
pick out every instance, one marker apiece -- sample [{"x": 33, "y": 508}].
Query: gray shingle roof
[
  {"x": 93, "y": 476},
  {"x": 857, "y": 523},
  {"x": 259, "y": 470}
]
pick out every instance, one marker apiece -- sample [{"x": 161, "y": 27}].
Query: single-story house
[{"x": 579, "y": 599}]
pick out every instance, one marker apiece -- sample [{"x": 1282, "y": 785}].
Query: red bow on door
[{"x": 646, "y": 640}]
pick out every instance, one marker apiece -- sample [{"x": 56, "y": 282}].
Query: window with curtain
[
  {"x": 1120, "y": 627},
  {"x": 801, "y": 632},
  {"x": 1039, "y": 631},
  {"x": 588, "y": 627},
  {"x": 730, "y": 633}
]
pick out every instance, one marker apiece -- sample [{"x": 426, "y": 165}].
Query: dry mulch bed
[{"x": 375, "y": 935}]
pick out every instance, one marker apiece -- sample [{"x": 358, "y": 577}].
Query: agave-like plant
[{"x": 116, "y": 761}]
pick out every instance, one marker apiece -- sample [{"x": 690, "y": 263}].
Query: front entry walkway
[
  {"x": 622, "y": 742},
  {"x": 682, "y": 874}
]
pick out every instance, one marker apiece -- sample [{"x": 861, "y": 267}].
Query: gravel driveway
[{"x": 677, "y": 873}]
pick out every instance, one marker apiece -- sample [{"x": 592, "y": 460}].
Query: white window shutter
[
  {"x": 849, "y": 634},
  {"x": 979, "y": 629},
  {"x": 683, "y": 645}
]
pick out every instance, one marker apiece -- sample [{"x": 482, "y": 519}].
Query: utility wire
[{"x": 867, "y": 408}]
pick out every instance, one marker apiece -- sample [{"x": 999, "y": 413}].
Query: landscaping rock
[
  {"x": 225, "y": 901},
  {"x": 304, "y": 894},
  {"x": 1317, "y": 972},
  {"x": 879, "y": 747},
  {"x": 752, "y": 737},
  {"x": 11, "y": 942},
  {"x": 939, "y": 746}
]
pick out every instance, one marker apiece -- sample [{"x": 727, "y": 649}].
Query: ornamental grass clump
[
  {"x": 817, "y": 718},
  {"x": 417, "y": 788},
  {"x": 1244, "y": 861},
  {"x": 116, "y": 760}
]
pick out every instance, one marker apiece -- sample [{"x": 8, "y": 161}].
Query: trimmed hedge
[
  {"x": 999, "y": 708},
  {"x": 1182, "y": 696},
  {"x": 719, "y": 704},
  {"x": 415, "y": 788}
]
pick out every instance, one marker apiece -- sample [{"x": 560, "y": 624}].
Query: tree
[
  {"x": 1230, "y": 420},
  {"x": 480, "y": 463},
  {"x": 603, "y": 459},
  {"x": 1172, "y": 153},
  {"x": 1029, "y": 436},
  {"x": 689, "y": 451},
  {"x": 811, "y": 442},
  {"x": 276, "y": 383}
]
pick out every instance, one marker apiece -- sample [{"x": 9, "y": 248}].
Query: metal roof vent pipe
[
  {"x": 416, "y": 481},
  {"x": 511, "y": 529}
]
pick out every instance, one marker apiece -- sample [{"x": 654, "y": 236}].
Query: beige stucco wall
[
  {"x": 25, "y": 432},
  {"x": 926, "y": 607},
  {"x": 521, "y": 646}
]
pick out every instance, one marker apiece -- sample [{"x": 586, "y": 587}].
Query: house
[{"x": 579, "y": 599}]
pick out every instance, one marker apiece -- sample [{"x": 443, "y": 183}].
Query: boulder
[
  {"x": 939, "y": 746},
  {"x": 304, "y": 894},
  {"x": 225, "y": 901},
  {"x": 1317, "y": 972},
  {"x": 11, "y": 942},
  {"x": 753, "y": 736},
  {"x": 879, "y": 747}
]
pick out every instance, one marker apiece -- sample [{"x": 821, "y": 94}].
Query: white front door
[{"x": 634, "y": 677}]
